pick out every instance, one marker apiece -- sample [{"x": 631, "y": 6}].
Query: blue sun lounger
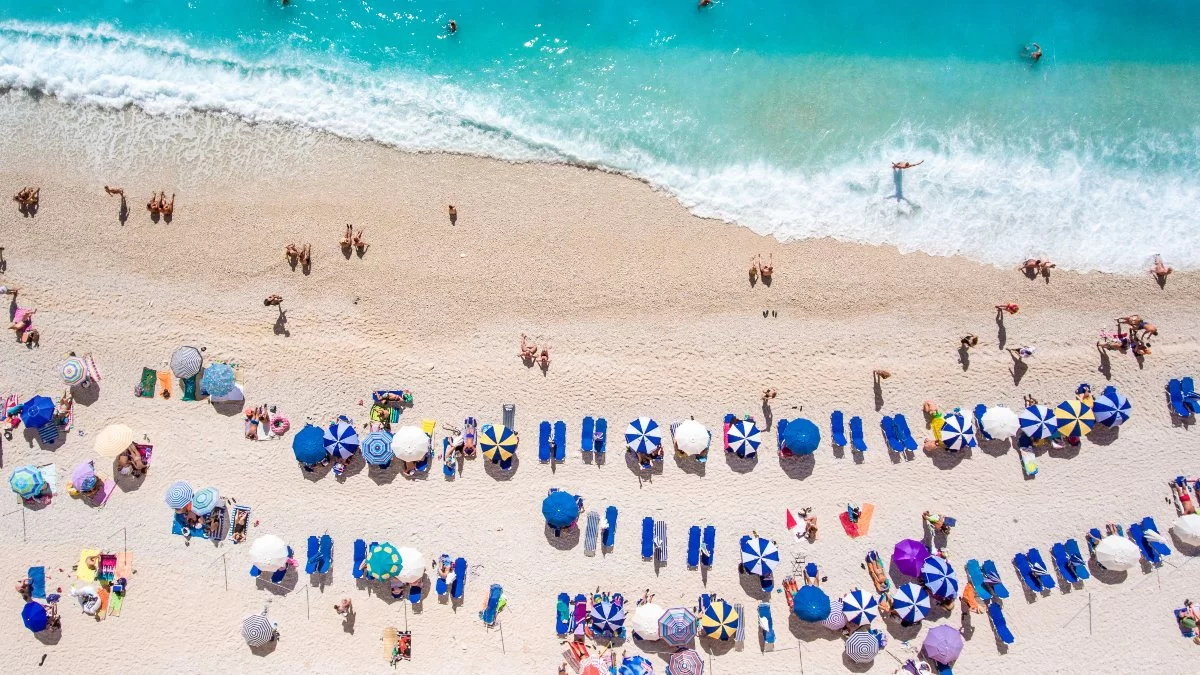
[
  {"x": 601, "y": 437},
  {"x": 1139, "y": 538},
  {"x": 1040, "y": 570},
  {"x": 591, "y": 532},
  {"x": 313, "y": 558},
  {"x": 1175, "y": 393},
  {"x": 766, "y": 623},
  {"x": 562, "y": 614},
  {"x": 903, "y": 433},
  {"x": 1022, "y": 565},
  {"x": 609, "y": 535},
  {"x": 693, "y": 547},
  {"x": 647, "y": 537},
  {"x": 660, "y": 540},
  {"x": 1158, "y": 547},
  {"x": 709, "y": 546},
  {"x": 1076, "y": 560},
  {"x": 891, "y": 435},
  {"x": 856, "y": 434},
  {"x": 1059, "y": 553},
  {"x": 37, "y": 581},
  {"x": 975, "y": 574},
  {"x": 980, "y": 411},
  {"x": 414, "y": 594},
  {"x": 1191, "y": 399},
  {"x": 493, "y": 605},
  {"x": 739, "y": 634},
  {"x": 837, "y": 429},
  {"x": 991, "y": 576},
  {"x": 999, "y": 624},
  {"x": 587, "y": 437},
  {"x": 560, "y": 441},
  {"x": 544, "y": 442},
  {"x": 780, "y": 427},
  {"x": 441, "y": 586},
  {"x": 460, "y": 578},
  {"x": 360, "y": 554},
  {"x": 276, "y": 576}
]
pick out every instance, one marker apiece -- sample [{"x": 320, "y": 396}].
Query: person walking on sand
[
  {"x": 344, "y": 608},
  {"x": 766, "y": 269},
  {"x": 273, "y": 301},
  {"x": 969, "y": 341},
  {"x": 544, "y": 357},
  {"x": 880, "y": 375},
  {"x": 900, "y": 166},
  {"x": 769, "y": 394},
  {"x": 1011, "y": 308}
]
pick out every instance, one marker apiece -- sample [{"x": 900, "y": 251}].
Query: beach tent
[
  {"x": 309, "y": 445},
  {"x": 205, "y": 501},
  {"x": 1187, "y": 528},
  {"x": 83, "y": 477},
  {"x": 1000, "y": 422},
  {"x": 1038, "y": 422},
  {"x": 498, "y": 443},
  {"x": 1117, "y": 553},
  {"x": 560, "y": 509},
  {"x": 759, "y": 555},
  {"x": 257, "y": 630},
  {"x": 340, "y": 439},
  {"x": 645, "y": 620},
  {"x": 186, "y": 362},
  {"x": 744, "y": 438},
  {"x": 34, "y": 616},
  {"x": 27, "y": 481},
  {"x": 811, "y": 604},
  {"x": 957, "y": 432},
  {"x": 691, "y": 437},
  {"x": 909, "y": 556},
  {"x": 685, "y": 662},
  {"x": 113, "y": 440},
  {"x": 218, "y": 380},
  {"x": 837, "y": 616},
  {"x": 410, "y": 443},
  {"x": 74, "y": 371},
  {"x": 801, "y": 437},
  {"x": 1111, "y": 408},
  {"x": 383, "y": 561},
  {"x": 939, "y": 578},
  {"x": 269, "y": 552},
  {"x": 862, "y": 646},
  {"x": 860, "y": 607},
  {"x": 643, "y": 435},
  {"x": 37, "y": 412},
  {"x": 377, "y": 448},
  {"x": 911, "y": 602},
  {"x": 1074, "y": 418},
  {"x": 677, "y": 627},
  {"x": 943, "y": 644},
  {"x": 178, "y": 495}
]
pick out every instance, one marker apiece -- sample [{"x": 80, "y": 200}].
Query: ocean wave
[{"x": 976, "y": 196}]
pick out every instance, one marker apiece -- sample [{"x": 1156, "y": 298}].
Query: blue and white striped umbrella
[
  {"x": 862, "y": 646},
  {"x": 204, "y": 501},
  {"x": 377, "y": 448},
  {"x": 759, "y": 556},
  {"x": 607, "y": 618},
  {"x": 217, "y": 380},
  {"x": 1038, "y": 422},
  {"x": 643, "y": 435},
  {"x": 957, "y": 432},
  {"x": 179, "y": 494},
  {"x": 939, "y": 578},
  {"x": 911, "y": 602},
  {"x": 744, "y": 438},
  {"x": 860, "y": 607},
  {"x": 341, "y": 440},
  {"x": 1111, "y": 409}
]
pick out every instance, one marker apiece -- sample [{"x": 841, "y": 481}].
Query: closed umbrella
[
  {"x": 909, "y": 556},
  {"x": 643, "y": 435},
  {"x": 837, "y": 616},
  {"x": 37, "y": 412},
  {"x": 178, "y": 495},
  {"x": 83, "y": 477},
  {"x": 943, "y": 644},
  {"x": 939, "y": 578},
  {"x": 34, "y": 616},
  {"x": 186, "y": 362},
  {"x": 383, "y": 561},
  {"x": 257, "y": 630},
  {"x": 1117, "y": 553},
  {"x": 759, "y": 556},
  {"x": 113, "y": 440},
  {"x": 691, "y": 437},
  {"x": 218, "y": 380},
  {"x": 73, "y": 371},
  {"x": 498, "y": 443},
  {"x": 1187, "y": 528},
  {"x": 410, "y": 443},
  {"x": 1111, "y": 408},
  {"x": 911, "y": 602},
  {"x": 412, "y": 565},
  {"x": 377, "y": 448},
  {"x": 645, "y": 620},
  {"x": 341, "y": 440},
  {"x": 744, "y": 437},
  {"x": 811, "y": 604},
  {"x": 801, "y": 437},
  {"x": 1038, "y": 422},
  {"x": 269, "y": 552},
  {"x": 204, "y": 501},
  {"x": 685, "y": 662},
  {"x": 860, "y": 607},
  {"x": 862, "y": 646},
  {"x": 309, "y": 445},
  {"x": 720, "y": 620},
  {"x": 560, "y": 509},
  {"x": 27, "y": 481},
  {"x": 607, "y": 617},
  {"x": 1000, "y": 422},
  {"x": 677, "y": 627},
  {"x": 957, "y": 432},
  {"x": 1074, "y": 417}
]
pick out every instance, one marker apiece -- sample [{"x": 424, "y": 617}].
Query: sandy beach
[{"x": 647, "y": 311}]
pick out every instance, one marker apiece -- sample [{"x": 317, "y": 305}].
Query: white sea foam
[{"x": 992, "y": 205}]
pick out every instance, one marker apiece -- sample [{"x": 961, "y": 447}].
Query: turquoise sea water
[{"x": 782, "y": 115}]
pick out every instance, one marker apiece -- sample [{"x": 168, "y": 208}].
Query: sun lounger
[
  {"x": 360, "y": 554},
  {"x": 1040, "y": 569},
  {"x": 693, "y": 547},
  {"x": 441, "y": 586},
  {"x": 1076, "y": 560},
  {"x": 560, "y": 441},
  {"x": 601, "y": 437},
  {"x": 1027, "y": 576},
  {"x": 647, "y": 537},
  {"x": 980, "y": 411},
  {"x": 1059, "y": 553},
  {"x": 37, "y": 581},
  {"x": 703, "y": 603},
  {"x": 991, "y": 577},
  {"x": 460, "y": 578},
  {"x": 766, "y": 623},
  {"x": 709, "y": 546},
  {"x": 608, "y": 535},
  {"x": 837, "y": 428},
  {"x": 1175, "y": 394},
  {"x": 999, "y": 624},
  {"x": 903, "y": 433},
  {"x": 508, "y": 415},
  {"x": 1159, "y": 547},
  {"x": 415, "y": 592},
  {"x": 488, "y": 615},
  {"x": 975, "y": 574},
  {"x": 562, "y": 615},
  {"x": 1191, "y": 400},
  {"x": 789, "y": 592},
  {"x": 780, "y": 427},
  {"x": 891, "y": 435},
  {"x": 742, "y": 545},
  {"x": 590, "y": 534},
  {"x": 856, "y": 434},
  {"x": 325, "y": 551},
  {"x": 660, "y": 540},
  {"x": 544, "y": 432},
  {"x": 313, "y": 556},
  {"x": 739, "y": 634},
  {"x": 1025, "y": 452},
  {"x": 587, "y": 437},
  {"x": 1137, "y": 535}
]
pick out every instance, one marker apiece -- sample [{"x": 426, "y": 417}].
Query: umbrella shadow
[
  {"x": 1104, "y": 435},
  {"x": 1183, "y": 547},
  {"x": 797, "y": 468},
  {"x": 317, "y": 473},
  {"x": 266, "y": 649},
  {"x": 31, "y": 437},
  {"x": 353, "y": 467},
  {"x": 48, "y": 638},
  {"x": 854, "y": 666},
  {"x": 900, "y": 630},
  {"x": 946, "y": 460},
  {"x": 717, "y": 647},
  {"x": 752, "y": 585},
  {"x": 382, "y": 476},
  {"x": 996, "y": 447},
  {"x": 1067, "y": 451},
  {"x": 86, "y": 396},
  {"x": 740, "y": 464},
  {"x": 566, "y": 541},
  {"x": 807, "y": 631},
  {"x": 228, "y": 408},
  {"x": 127, "y": 482},
  {"x": 285, "y": 585},
  {"x": 496, "y": 473},
  {"x": 690, "y": 465},
  {"x": 631, "y": 461},
  {"x": 1106, "y": 576}
]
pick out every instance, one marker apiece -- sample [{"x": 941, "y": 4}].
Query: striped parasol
[
  {"x": 1111, "y": 408},
  {"x": 862, "y": 646},
  {"x": 685, "y": 662},
  {"x": 498, "y": 443},
  {"x": 860, "y": 607},
  {"x": 179, "y": 494},
  {"x": 1037, "y": 422},
  {"x": 957, "y": 432},
  {"x": 383, "y": 561},
  {"x": 204, "y": 501},
  {"x": 939, "y": 577},
  {"x": 341, "y": 440},
  {"x": 643, "y": 435},
  {"x": 677, "y": 626},
  {"x": 911, "y": 602},
  {"x": 720, "y": 620},
  {"x": 759, "y": 556},
  {"x": 218, "y": 379},
  {"x": 377, "y": 448},
  {"x": 607, "y": 618},
  {"x": 837, "y": 617},
  {"x": 1074, "y": 417},
  {"x": 27, "y": 481},
  {"x": 257, "y": 630},
  {"x": 74, "y": 371},
  {"x": 186, "y": 362},
  {"x": 744, "y": 438}
]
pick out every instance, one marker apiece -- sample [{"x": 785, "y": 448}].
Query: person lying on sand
[
  {"x": 24, "y": 322},
  {"x": 347, "y": 238},
  {"x": 360, "y": 244},
  {"x": 1160, "y": 270},
  {"x": 1011, "y": 308},
  {"x": 154, "y": 205},
  {"x": 1114, "y": 341},
  {"x": 528, "y": 349},
  {"x": 114, "y": 191}
]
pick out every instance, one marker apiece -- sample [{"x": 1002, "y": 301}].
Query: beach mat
[
  {"x": 180, "y": 522},
  {"x": 104, "y": 595},
  {"x": 83, "y": 572},
  {"x": 149, "y": 378},
  {"x": 37, "y": 581},
  {"x": 115, "y": 602},
  {"x": 164, "y": 383},
  {"x": 863, "y": 526},
  {"x": 124, "y": 566},
  {"x": 188, "y": 385},
  {"x": 106, "y": 490}
]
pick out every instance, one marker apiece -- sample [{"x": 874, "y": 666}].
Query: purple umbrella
[
  {"x": 943, "y": 644},
  {"x": 83, "y": 477},
  {"x": 908, "y": 557}
]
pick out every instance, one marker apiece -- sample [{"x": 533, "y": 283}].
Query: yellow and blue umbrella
[
  {"x": 1074, "y": 417},
  {"x": 498, "y": 443},
  {"x": 720, "y": 621},
  {"x": 27, "y": 481},
  {"x": 383, "y": 561}
]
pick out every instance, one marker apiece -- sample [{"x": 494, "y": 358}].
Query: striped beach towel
[{"x": 589, "y": 537}]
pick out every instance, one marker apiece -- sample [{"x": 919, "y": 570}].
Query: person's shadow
[
  {"x": 1105, "y": 364},
  {"x": 898, "y": 181},
  {"x": 123, "y": 211},
  {"x": 280, "y": 327},
  {"x": 1001, "y": 331},
  {"x": 964, "y": 356},
  {"x": 1018, "y": 368},
  {"x": 878, "y": 394}
]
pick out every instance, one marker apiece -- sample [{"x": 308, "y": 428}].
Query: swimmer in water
[
  {"x": 906, "y": 165},
  {"x": 452, "y": 26},
  {"x": 1034, "y": 53}
]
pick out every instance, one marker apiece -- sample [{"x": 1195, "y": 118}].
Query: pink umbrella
[
  {"x": 908, "y": 557},
  {"x": 83, "y": 477},
  {"x": 943, "y": 644}
]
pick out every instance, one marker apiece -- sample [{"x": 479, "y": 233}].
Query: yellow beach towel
[{"x": 83, "y": 572}]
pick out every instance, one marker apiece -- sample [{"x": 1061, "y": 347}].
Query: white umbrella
[
  {"x": 409, "y": 443},
  {"x": 113, "y": 440},
  {"x": 412, "y": 565},
  {"x": 1187, "y": 528},
  {"x": 691, "y": 437},
  {"x": 644, "y": 621},
  {"x": 1000, "y": 422},
  {"x": 269, "y": 552},
  {"x": 1117, "y": 553}
]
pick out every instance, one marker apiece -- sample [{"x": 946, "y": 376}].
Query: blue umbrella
[
  {"x": 939, "y": 578},
  {"x": 911, "y": 602},
  {"x": 607, "y": 618},
  {"x": 759, "y": 556},
  {"x": 560, "y": 509},
  {"x": 957, "y": 432},
  {"x": 341, "y": 440},
  {"x": 205, "y": 501},
  {"x": 744, "y": 438},
  {"x": 860, "y": 607},
  {"x": 636, "y": 665},
  {"x": 1038, "y": 422},
  {"x": 33, "y": 615},
  {"x": 801, "y": 437},
  {"x": 218, "y": 379},
  {"x": 811, "y": 604},
  {"x": 309, "y": 445},
  {"x": 27, "y": 481},
  {"x": 1111, "y": 408},
  {"x": 377, "y": 448},
  {"x": 37, "y": 412},
  {"x": 178, "y": 495},
  {"x": 643, "y": 435}
]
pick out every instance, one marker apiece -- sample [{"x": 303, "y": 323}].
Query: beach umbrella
[
  {"x": 560, "y": 509},
  {"x": 1111, "y": 408},
  {"x": 691, "y": 437},
  {"x": 860, "y": 607},
  {"x": 939, "y": 577},
  {"x": 636, "y": 665},
  {"x": 1037, "y": 422},
  {"x": 862, "y": 646},
  {"x": 593, "y": 665},
  {"x": 685, "y": 662},
  {"x": 269, "y": 552},
  {"x": 1187, "y": 528},
  {"x": 719, "y": 621},
  {"x": 607, "y": 617},
  {"x": 759, "y": 556},
  {"x": 27, "y": 481},
  {"x": 1000, "y": 422},
  {"x": 1117, "y": 553},
  {"x": 73, "y": 371},
  {"x": 37, "y": 412},
  {"x": 204, "y": 501},
  {"x": 377, "y": 448},
  {"x": 218, "y": 379},
  {"x": 83, "y": 477},
  {"x": 645, "y": 620},
  {"x": 909, "y": 556},
  {"x": 410, "y": 443},
  {"x": 957, "y": 432},
  {"x": 179, "y": 494},
  {"x": 309, "y": 445},
  {"x": 643, "y": 435},
  {"x": 811, "y": 604},
  {"x": 186, "y": 362},
  {"x": 341, "y": 440},
  {"x": 1074, "y": 417},
  {"x": 383, "y": 561},
  {"x": 113, "y": 440},
  {"x": 33, "y": 615},
  {"x": 498, "y": 443},
  {"x": 744, "y": 438},
  {"x": 801, "y": 437},
  {"x": 412, "y": 565},
  {"x": 837, "y": 616},
  {"x": 911, "y": 602},
  {"x": 257, "y": 630},
  {"x": 943, "y": 644},
  {"x": 677, "y": 626}
]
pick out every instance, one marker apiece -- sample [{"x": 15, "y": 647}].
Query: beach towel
[
  {"x": 37, "y": 581},
  {"x": 164, "y": 383},
  {"x": 115, "y": 602},
  {"x": 106, "y": 489},
  {"x": 103, "y": 594},
  {"x": 188, "y": 385},
  {"x": 50, "y": 475},
  {"x": 83, "y": 572},
  {"x": 863, "y": 526},
  {"x": 48, "y": 433},
  {"x": 149, "y": 378},
  {"x": 179, "y": 524},
  {"x": 124, "y": 569}
]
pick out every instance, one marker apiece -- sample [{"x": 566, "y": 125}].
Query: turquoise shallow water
[{"x": 782, "y": 115}]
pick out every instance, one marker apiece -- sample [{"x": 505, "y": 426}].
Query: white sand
[{"x": 648, "y": 311}]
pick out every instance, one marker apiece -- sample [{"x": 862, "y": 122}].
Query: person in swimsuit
[
  {"x": 153, "y": 206},
  {"x": 906, "y": 165},
  {"x": 1160, "y": 270},
  {"x": 273, "y": 300}
]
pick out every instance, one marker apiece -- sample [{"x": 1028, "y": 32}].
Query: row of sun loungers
[
  {"x": 1072, "y": 566},
  {"x": 1185, "y": 402},
  {"x": 552, "y": 439}
]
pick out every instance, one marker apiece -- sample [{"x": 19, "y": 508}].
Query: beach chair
[
  {"x": 837, "y": 429},
  {"x": 1027, "y": 576},
  {"x": 508, "y": 413},
  {"x": 647, "y": 537},
  {"x": 766, "y": 623},
  {"x": 741, "y": 546},
  {"x": 442, "y": 586},
  {"x": 590, "y": 534},
  {"x": 739, "y": 635},
  {"x": 903, "y": 433},
  {"x": 1058, "y": 553},
  {"x": 37, "y": 581},
  {"x": 608, "y": 536},
  {"x": 313, "y": 557},
  {"x": 693, "y": 547},
  {"x": 1138, "y": 536},
  {"x": 488, "y": 615},
  {"x": 1040, "y": 569},
  {"x": 980, "y": 411},
  {"x": 991, "y": 577},
  {"x": 660, "y": 540},
  {"x": 999, "y": 624},
  {"x": 811, "y": 575},
  {"x": 975, "y": 574},
  {"x": 856, "y": 434},
  {"x": 708, "y": 546},
  {"x": 460, "y": 578},
  {"x": 891, "y": 435},
  {"x": 560, "y": 441},
  {"x": 1076, "y": 560},
  {"x": 703, "y": 603},
  {"x": 579, "y": 615},
  {"x": 325, "y": 552},
  {"x": 544, "y": 442},
  {"x": 780, "y": 427},
  {"x": 1154, "y": 541},
  {"x": 1025, "y": 452},
  {"x": 360, "y": 554},
  {"x": 601, "y": 438},
  {"x": 1175, "y": 394},
  {"x": 1187, "y": 387},
  {"x": 587, "y": 437},
  {"x": 562, "y": 615},
  {"x": 415, "y": 592}
]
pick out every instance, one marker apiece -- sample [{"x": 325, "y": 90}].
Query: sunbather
[
  {"x": 31, "y": 337},
  {"x": 936, "y": 522},
  {"x": 1023, "y": 352},
  {"x": 347, "y": 238},
  {"x": 360, "y": 244},
  {"x": 1116, "y": 341},
  {"x": 1185, "y": 498},
  {"x": 24, "y": 322},
  {"x": 1011, "y": 308},
  {"x": 810, "y": 523},
  {"x": 1160, "y": 270},
  {"x": 528, "y": 349},
  {"x": 25, "y": 588},
  {"x": 240, "y": 525}
]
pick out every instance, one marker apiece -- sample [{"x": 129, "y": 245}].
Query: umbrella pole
[
  {"x": 308, "y": 607},
  {"x": 1089, "y": 613},
  {"x": 502, "y": 649},
  {"x": 225, "y": 565}
]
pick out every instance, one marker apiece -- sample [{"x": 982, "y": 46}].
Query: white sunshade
[
  {"x": 1187, "y": 528},
  {"x": 1000, "y": 422},
  {"x": 1117, "y": 553},
  {"x": 644, "y": 621},
  {"x": 409, "y": 443},
  {"x": 691, "y": 437},
  {"x": 412, "y": 564},
  {"x": 269, "y": 552}
]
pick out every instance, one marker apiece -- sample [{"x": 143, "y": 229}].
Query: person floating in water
[
  {"x": 706, "y": 3},
  {"x": 906, "y": 165},
  {"x": 1034, "y": 52},
  {"x": 452, "y": 27}
]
